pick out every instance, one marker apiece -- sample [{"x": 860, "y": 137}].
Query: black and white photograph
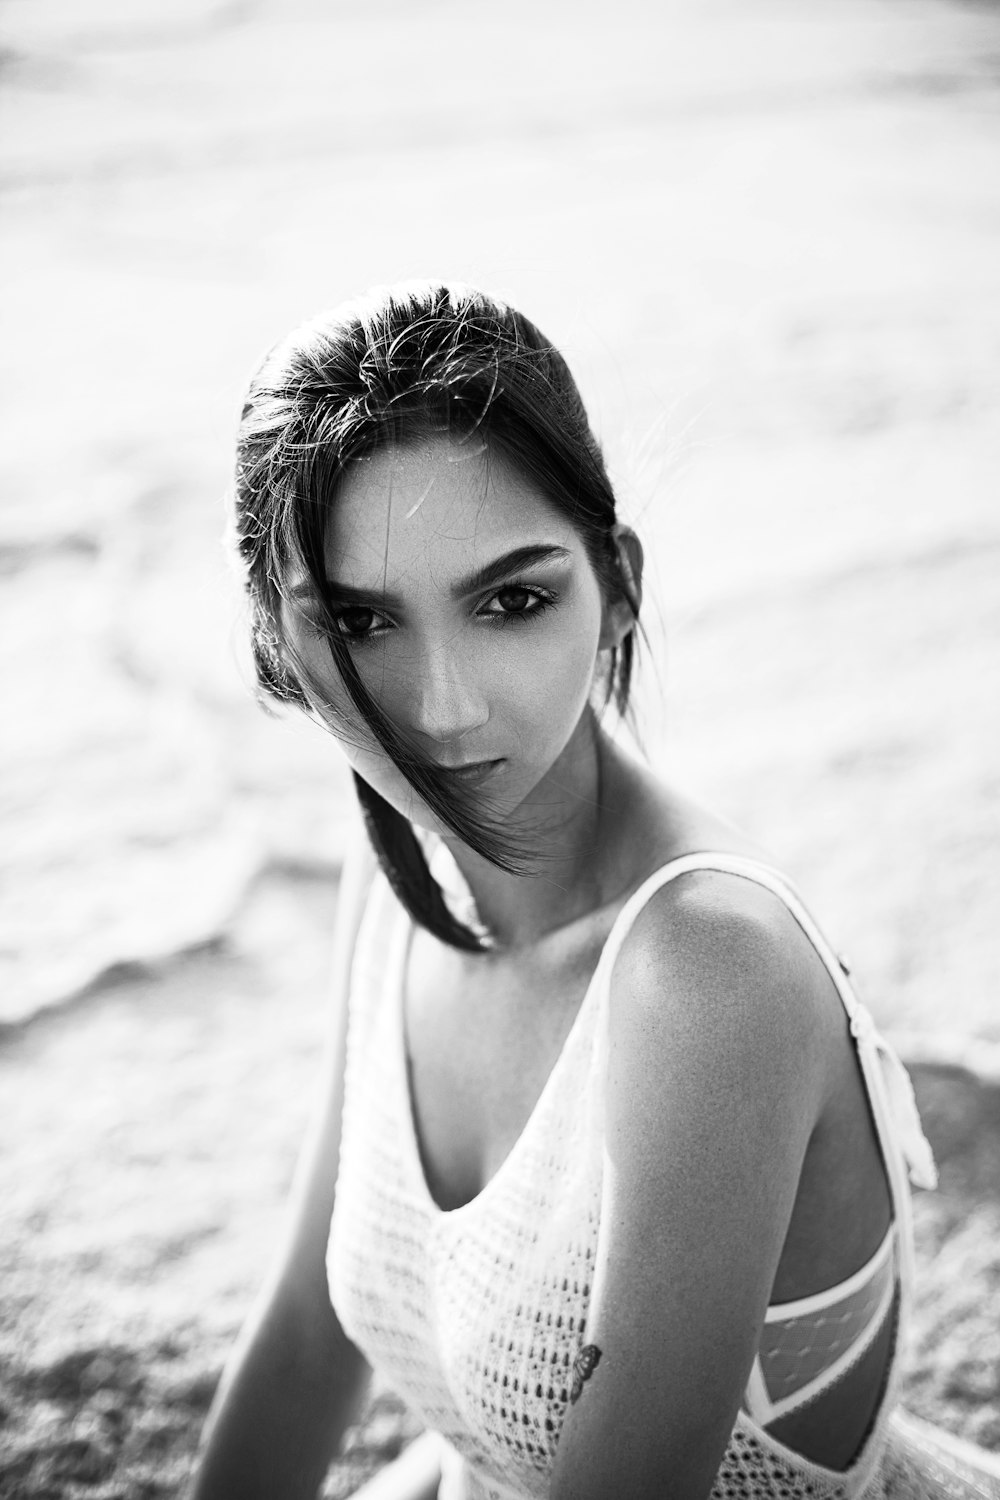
[{"x": 500, "y": 750}]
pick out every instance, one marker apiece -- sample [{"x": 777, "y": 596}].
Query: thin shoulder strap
[
  {"x": 905, "y": 1150},
  {"x": 684, "y": 864},
  {"x": 357, "y": 873},
  {"x": 370, "y": 941}
]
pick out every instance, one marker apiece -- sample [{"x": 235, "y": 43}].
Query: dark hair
[{"x": 398, "y": 365}]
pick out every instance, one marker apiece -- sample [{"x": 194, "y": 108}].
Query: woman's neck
[{"x": 567, "y": 818}]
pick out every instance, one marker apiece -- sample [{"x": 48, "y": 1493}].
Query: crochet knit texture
[{"x": 476, "y": 1315}]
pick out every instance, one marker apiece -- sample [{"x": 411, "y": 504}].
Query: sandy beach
[
  {"x": 768, "y": 241},
  {"x": 142, "y": 1209}
]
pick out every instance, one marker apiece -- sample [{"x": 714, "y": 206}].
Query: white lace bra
[
  {"x": 476, "y": 1315},
  {"x": 808, "y": 1345}
]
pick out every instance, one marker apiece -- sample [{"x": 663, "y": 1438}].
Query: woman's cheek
[
  {"x": 312, "y": 663},
  {"x": 574, "y": 659},
  {"x": 556, "y": 680}
]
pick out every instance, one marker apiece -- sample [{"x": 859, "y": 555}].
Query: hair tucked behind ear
[{"x": 397, "y": 366}]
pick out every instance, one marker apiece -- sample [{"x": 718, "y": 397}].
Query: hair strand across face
[{"x": 394, "y": 368}]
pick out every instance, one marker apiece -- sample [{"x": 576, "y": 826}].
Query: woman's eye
[
  {"x": 357, "y": 622},
  {"x": 515, "y": 602}
]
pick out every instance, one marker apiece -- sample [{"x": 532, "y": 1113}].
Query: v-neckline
[
  {"x": 397, "y": 963},
  {"x": 397, "y": 967}
]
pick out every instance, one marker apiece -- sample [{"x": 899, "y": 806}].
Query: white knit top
[{"x": 476, "y": 1315}]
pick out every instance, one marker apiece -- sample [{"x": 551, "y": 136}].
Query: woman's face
[{"x": 474, "y": 618}]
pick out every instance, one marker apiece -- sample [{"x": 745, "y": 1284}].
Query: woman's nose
[{"x": 448, "y": 697}]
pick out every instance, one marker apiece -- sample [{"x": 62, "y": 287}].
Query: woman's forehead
[{"x": 442, "y": 507}]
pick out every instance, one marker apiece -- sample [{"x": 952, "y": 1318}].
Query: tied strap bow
[{"x": 898, "y": 1095}]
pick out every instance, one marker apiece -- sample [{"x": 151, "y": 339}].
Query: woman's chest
[
  {"x": 476, "y": 1315},
  {"x": 482, "y": 1039}
]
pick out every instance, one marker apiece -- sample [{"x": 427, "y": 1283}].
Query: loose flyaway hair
[{"x": 395, "y": 367}]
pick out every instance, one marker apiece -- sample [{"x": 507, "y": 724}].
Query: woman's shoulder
[
  {"x": 713, "y": 907},
  {"x": 715, "y": 970}
]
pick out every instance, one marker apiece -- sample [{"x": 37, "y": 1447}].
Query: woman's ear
[{"x": 622, "y": 612}]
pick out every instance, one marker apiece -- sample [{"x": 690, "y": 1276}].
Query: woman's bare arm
[
  {"x": 293, "y": 1386},
  {"x": 720, "y": 1041},
  {"x": 414, "y": 1475},
  {"x": 294, "y": 1381}
]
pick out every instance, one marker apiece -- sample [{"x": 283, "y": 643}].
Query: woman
[{"x": 611, "y": 1177}]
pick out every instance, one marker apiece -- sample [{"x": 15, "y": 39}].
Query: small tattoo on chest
[{"x": 584, "y": 1365}]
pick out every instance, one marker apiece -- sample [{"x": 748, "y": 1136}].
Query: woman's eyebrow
[
  {"x": 342, "y": 593},
  {"x": 511, "y": 562},
  {"x": 490, "y": 573}
]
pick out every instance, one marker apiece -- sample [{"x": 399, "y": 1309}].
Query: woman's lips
[{"x": 473, "y": 773}]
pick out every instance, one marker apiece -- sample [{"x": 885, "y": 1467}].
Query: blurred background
[{"x": 767, "y": 237}]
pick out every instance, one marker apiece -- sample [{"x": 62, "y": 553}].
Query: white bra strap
[
  {"x": 821, "y": 1302},
  {"x": 757, "y": 1401},
  {"x": 844, "y": 1361}
]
